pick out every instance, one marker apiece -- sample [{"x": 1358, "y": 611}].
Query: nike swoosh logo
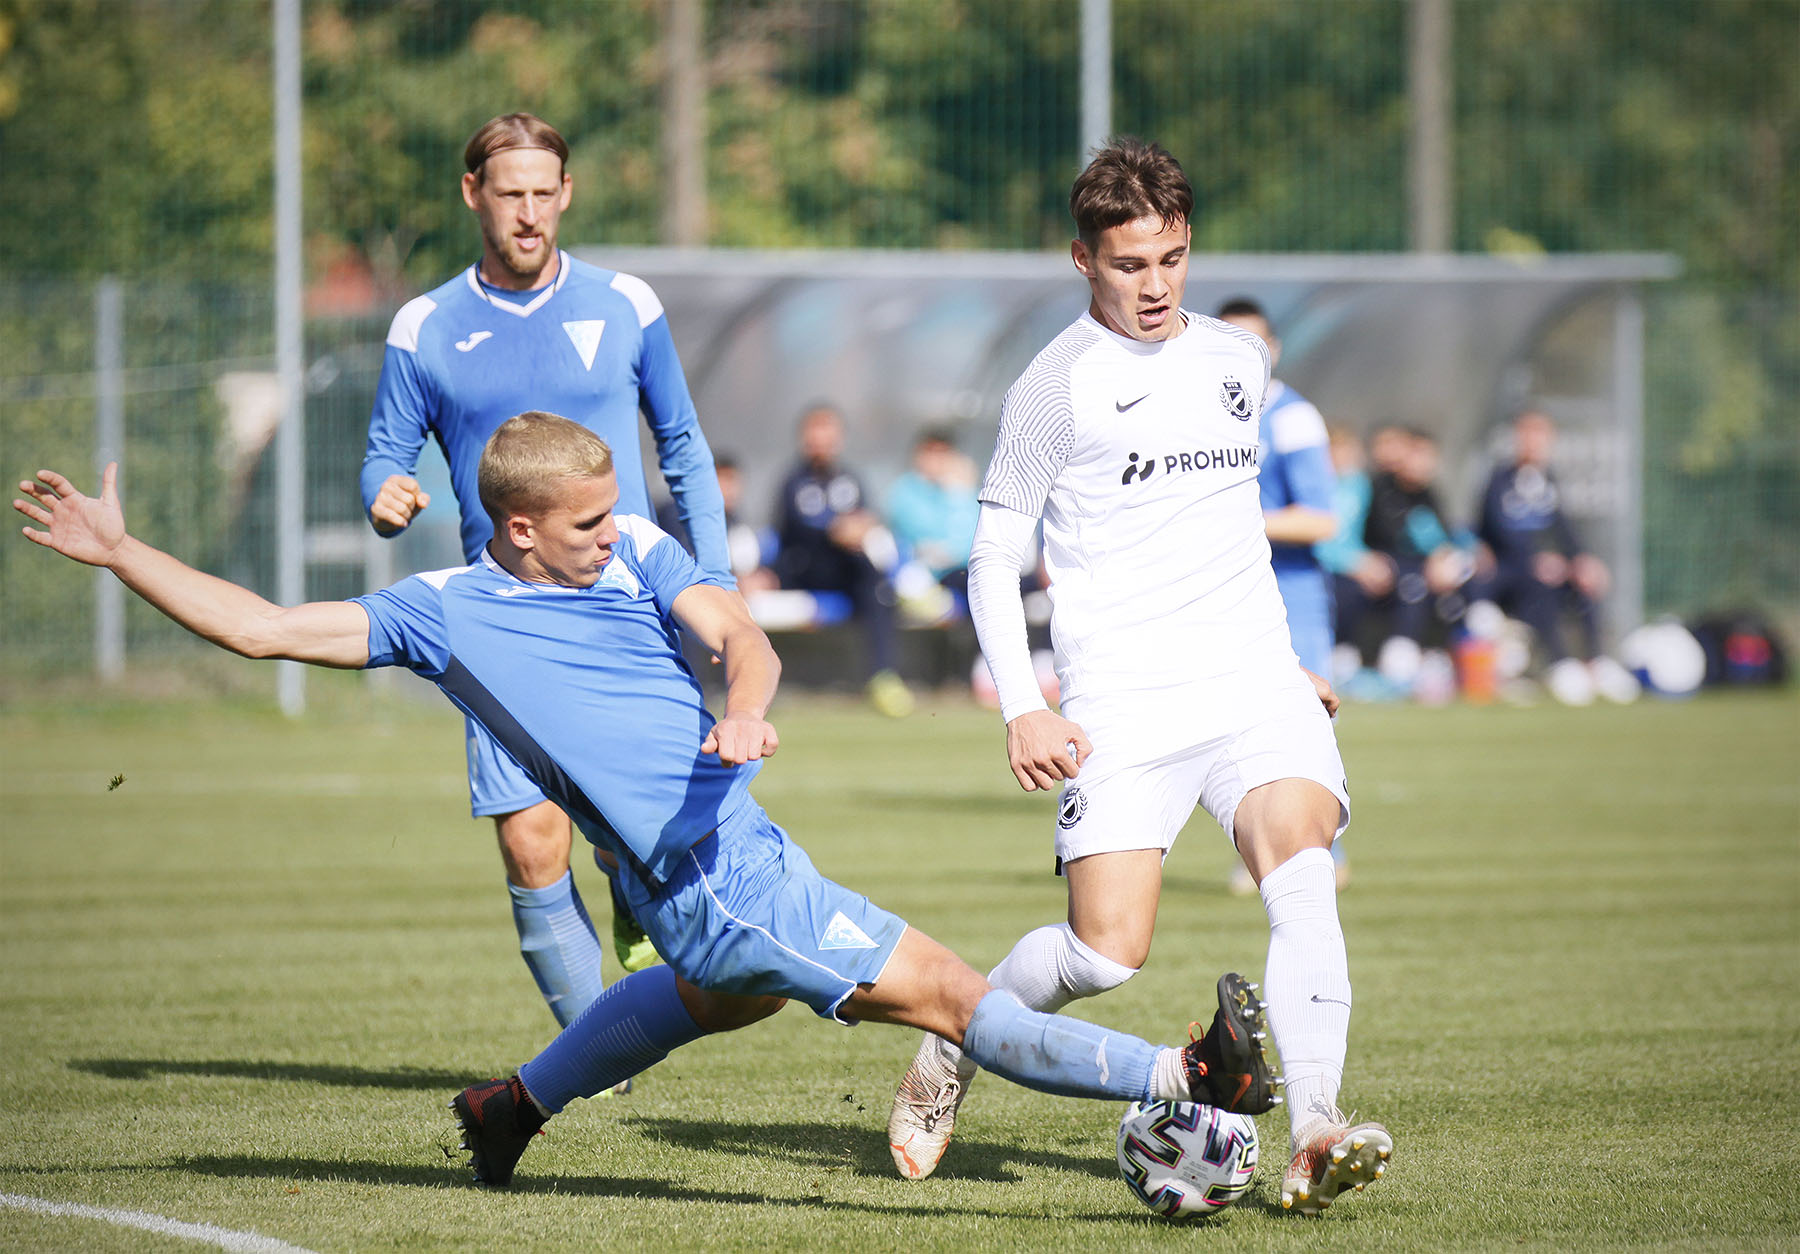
[
  {"x": 1122, "y": 406},
  {"x": 511, "y": 591},
  {"x": 1334, "y": 1001},
  {"x": 463, "y": 346}
]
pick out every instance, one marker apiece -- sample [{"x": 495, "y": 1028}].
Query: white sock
[
  {"x": 1049, "y": 968},
  {"x": 1168, "y": 1078},
  {"x": 1307, "y": 984}
]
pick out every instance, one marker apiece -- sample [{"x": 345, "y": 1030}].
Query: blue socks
[
  {"x": 633, "y": 1025},
  {"x": 559, "y": 946},
  {"x": 1056, "y": 1054}
]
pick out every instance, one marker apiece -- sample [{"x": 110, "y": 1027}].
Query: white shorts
[{"x": 1123, "y": 801}]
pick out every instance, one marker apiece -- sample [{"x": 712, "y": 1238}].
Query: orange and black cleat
[{"x": 1229, "y": 1066}]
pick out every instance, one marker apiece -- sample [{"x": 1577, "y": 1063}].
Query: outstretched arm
[
  {"x": 92, "y": 531},
  {"x": 722, "y": 622}
]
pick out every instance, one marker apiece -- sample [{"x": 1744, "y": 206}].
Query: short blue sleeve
[
  {"x": 1311, "y": 479},
  {"x": 406, "y": 624},
  {"x": 667, "y": 568}
]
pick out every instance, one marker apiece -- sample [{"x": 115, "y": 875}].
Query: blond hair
[{"x": 528, "y": 456}]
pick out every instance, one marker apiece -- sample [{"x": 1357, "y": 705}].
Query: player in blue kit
[
  {"x": 1296, "y": 482},
  {"x": 560, "y": 640},
  {"x": 529, "y": 327}
]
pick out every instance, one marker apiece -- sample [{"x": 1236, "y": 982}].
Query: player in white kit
[{"x": 1132, "y": 438}]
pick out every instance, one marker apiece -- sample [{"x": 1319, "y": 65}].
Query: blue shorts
[
  {"x": 497, "y": 784},
  {"x": 747, "y": 912}
]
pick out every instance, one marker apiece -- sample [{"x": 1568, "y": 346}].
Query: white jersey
[{"x": 1141, "y": 459}]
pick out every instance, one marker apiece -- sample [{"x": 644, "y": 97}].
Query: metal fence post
[
  {"x": 1096, "y": 77},
  {"x": 290, "y": 348},
  {"x": 109, "y": 446}
]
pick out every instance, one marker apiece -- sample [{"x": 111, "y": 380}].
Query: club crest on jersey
[
  {"x": 1070, "y": 809},
  {"x": 615, "y": 574},
  {"x": 1235, "y": 399}
]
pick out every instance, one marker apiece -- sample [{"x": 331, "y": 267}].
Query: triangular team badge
[
  {"x": 840, "y": 933},
  {"x": 585, "y": 336}
]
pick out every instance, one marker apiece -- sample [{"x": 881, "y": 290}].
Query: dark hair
[
  {"x": 1127, "y": 180},
  {"x": 509, "y": 131},
  {"x": 724, "y": 461},
  {"x": 1244, "y": 307},
  {"x": 935, "y": 435}
]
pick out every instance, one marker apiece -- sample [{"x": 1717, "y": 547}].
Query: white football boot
[
  {"x": 1331, "y": 1156},
  {"x": 925, "y": 1105}
]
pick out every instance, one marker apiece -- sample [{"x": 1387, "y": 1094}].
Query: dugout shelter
[{"x": 1452, "y": 344}]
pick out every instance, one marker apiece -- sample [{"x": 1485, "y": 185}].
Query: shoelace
[{"x": 938, "y": 1105}]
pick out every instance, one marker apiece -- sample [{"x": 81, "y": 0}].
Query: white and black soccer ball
[{"x": 1185, "y": 1160}]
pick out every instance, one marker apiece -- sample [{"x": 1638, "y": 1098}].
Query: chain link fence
[{"x": 136, "y": 140}]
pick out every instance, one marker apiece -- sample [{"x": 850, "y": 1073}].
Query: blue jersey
[
  {"x": 1296, "y": 467},
  {"x": 584, "y": 687},
  {"x": 593, "y": 346}
]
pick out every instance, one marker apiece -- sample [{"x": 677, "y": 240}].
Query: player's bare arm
[
  {"x": 397, "y": 504},
  {"x": 1299, "y": 524},
  {"x": 91, "y": 530},
  {"x": 722, "y": 622},
  {"x": 1045, "y": 748}
]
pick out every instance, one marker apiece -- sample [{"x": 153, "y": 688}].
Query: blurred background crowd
[{"x": 1532, "y": 261}]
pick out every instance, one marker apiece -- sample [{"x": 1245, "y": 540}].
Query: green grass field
[{"x": 239, "y": 987}]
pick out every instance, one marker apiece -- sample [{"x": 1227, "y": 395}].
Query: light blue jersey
[
  {"x": 585, "y": 688},
  {"x": 594, "y": 347},
  {"x": 1296, "y": 470}
]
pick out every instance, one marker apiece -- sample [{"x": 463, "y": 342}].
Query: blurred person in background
[
  {"x": 1296, "y": 482},
  {"x": 747, "y": 544},
  {"x": 1533, "y": 566},
  {"x": 832, "y": 541},
  {"x": 529, "y": 327},
  {"x": 1407, "y": 527},
  {"x": 1358, "y": 575},
  {"x": 931, "y": 510}
]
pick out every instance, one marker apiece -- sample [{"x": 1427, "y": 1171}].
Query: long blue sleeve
[
  {"x": 398, "y": 424},
  {"x": 682, "y": 453}
]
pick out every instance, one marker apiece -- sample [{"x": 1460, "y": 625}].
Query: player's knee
[
  {"x": 1102, "y": 959},
  {"x": 534, "y": 844},
  {"x": 726, "y": 1012}
]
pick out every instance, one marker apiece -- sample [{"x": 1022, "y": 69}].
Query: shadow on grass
[
  {"x": 826, "y": 1145},
  {"x": 243, "y": 1068},
  {"x": 454, "y": 1175}
]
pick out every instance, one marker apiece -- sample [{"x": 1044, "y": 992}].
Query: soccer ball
[{"x": 1184, "y": 1160}]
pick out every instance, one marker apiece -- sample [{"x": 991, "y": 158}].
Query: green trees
[{"x": 135, "y": 133}]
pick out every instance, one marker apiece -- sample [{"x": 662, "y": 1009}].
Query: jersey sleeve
[
  {"x": 404, "y": 403},
  {"x": 1036, "y": 437},
  {"x": 406, "y": 625},
  {"x": 1298, "y": 433},
  {"x": 682, "y": 454},
  {"x": 665, "y": 566}
]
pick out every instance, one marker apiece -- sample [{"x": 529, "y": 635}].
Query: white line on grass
[{"x": 224, "y": 1238}]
